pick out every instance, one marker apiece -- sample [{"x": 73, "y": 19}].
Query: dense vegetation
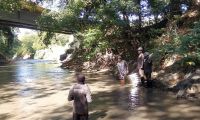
[
  {"x": 8, "y": 42},
  {"x": 122, "y": 25}
]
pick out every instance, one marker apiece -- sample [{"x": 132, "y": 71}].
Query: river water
[{"x": 37, "y": 90}]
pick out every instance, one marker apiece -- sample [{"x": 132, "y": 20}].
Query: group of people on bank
[
  {"x": 144, "y": 67},
  {"x": 80, "y": 93}
]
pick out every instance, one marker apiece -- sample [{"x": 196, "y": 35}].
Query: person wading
[
  {"x": 140, "y": 62},
  {"x": 147, "y": 66},
  {"x": 81, "y": 96},
  {"x": 122, "y": 67}
]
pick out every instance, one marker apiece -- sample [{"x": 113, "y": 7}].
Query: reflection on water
[
  {"x": 134, "y": 91},
  {"x": 27, "y": 85},
  {"x": 134, "y": 98},
  {"x": 28, "y": 70}
]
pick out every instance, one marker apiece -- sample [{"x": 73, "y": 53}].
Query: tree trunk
[
  {"x": 156, "y": 18},
  {"x": 175, "y": 7},
  {"x": 125, "y": 18},
  {"x": 139, "y": 14}
]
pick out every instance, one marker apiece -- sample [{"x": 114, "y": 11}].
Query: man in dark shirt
[{"x": 147, "y": 66}]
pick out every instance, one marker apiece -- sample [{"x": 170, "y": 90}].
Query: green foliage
[
  {"x": 108, "y": 23},
  {"x": 26, "y": 46},
  {"x": 187, "y": 46},
  {"x": 8, "y": 41},
  {"x": 93, "y": 42},
  {"x": 155, "y": 32},
  {"x": 9, "y": 5},
  {"x": 60, "y": 39},
  {"x": 49, "y": 21},
  {"x": 29, "y": 44},
  {"x": 3, "y": 43},
  {"x": 190, "y": 45},
  {"x": 100, "y": 23},
  {"x": 157, "y": 6}
]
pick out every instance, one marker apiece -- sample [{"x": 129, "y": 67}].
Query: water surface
[{"x": 37, "y": 90}]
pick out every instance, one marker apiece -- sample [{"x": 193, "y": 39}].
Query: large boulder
[
  {"x": 191, "y": 85},
  {"x": 53, "y": 52},
  {"x": 186, "y": 85},
  {"x": 59, "y": 53}
]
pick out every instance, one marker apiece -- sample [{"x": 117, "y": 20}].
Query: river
[{"x": 37, "y": 90}]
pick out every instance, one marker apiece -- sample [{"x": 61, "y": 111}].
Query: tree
[
  {"x": 194, "y": 3},
  {"x": 9, "y": 5},
  {"x": 157, "y": 8},
  {"x": 175, "y": 7}
]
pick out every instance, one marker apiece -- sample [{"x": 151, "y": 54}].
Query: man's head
[
  {"x": 140, "y": 50},
  {"x": 119, "y": 58},
  {"x": 81, "y": 78},
  {"x": 146, "y": 54}
]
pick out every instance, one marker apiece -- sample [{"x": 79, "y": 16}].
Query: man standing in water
[
  {"x": 122, "y": 67},
  {"x": 81, "y": 96},
  {"x": 147, "y": 66},
  {"x": 140, "y": 62}
]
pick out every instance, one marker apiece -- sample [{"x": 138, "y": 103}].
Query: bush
[
  {"x": 190, "y": 45},
  {"x": 187, "y": 46}
]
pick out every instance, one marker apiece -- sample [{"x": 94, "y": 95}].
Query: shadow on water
[
  {"x": 128, "y": 102},
  {"x": 41, "y": 94},
  {"x": 7, "y": 74},
  {"x": 100, "y": 108},
  {"x": 7, "y": 98},
  {"x": 107, "y": 95},
  {"x": 159, "y": 105},
  {"x": 4, "y": 116},
  {"x": 111, "y": 104},
  {"x": 60, "y": 114}
]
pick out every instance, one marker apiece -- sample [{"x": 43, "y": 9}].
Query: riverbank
[{"x": 185, "y": 85}]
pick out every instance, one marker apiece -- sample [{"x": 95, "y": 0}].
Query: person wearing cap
[
  {"x": 122, "y": 67},
  {"x": 80, "y": 94},
  {"x": 140, "y": 62}
]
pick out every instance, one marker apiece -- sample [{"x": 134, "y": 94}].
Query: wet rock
[
  {"x": 190, "y": 87},
  {"x": 185, "y": 86},
  {"x": 27, "y": 56}
]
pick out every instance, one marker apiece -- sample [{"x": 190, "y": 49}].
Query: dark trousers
[
  {"x": 148, "y": 78},
  {"x": 148, "y": 75},
  {"x": 142, "y": 80},
  {"x": 80, "y": 116}
]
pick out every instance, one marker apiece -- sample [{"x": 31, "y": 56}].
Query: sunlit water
[{"x": 37, "y": 90}]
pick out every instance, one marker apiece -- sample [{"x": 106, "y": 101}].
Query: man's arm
[
  {"x": 88, "y": 94},
  {"x": 126, "y": 64},
  {"x": 70, "y": 95},
  {"x": 142, "y": 60}
]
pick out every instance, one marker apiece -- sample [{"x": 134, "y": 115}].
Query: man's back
[
  {"x": 147, "y": 64},
  {"x": 78, "y": 93}
]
